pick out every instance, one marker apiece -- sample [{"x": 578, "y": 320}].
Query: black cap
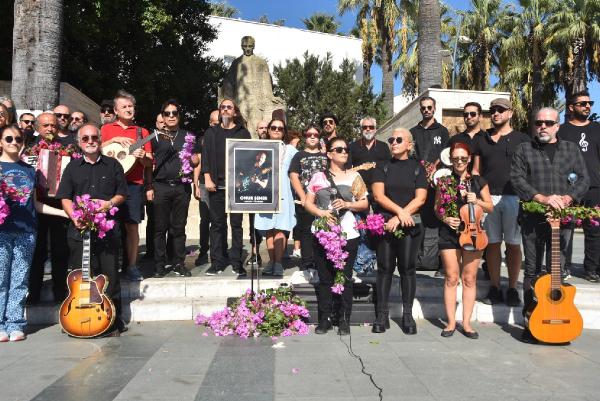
[
  {"x": 107, "y": 103},
  {"x": 328, "y": 114}
]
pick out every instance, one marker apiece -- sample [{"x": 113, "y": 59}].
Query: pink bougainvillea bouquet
[
  {"x": 10, "y": 194},
  {"x": 93, "y": 216}
]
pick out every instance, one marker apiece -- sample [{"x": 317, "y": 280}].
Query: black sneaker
[
  {"x": 592, "y": 277},
  {"x": 202, "y": 259},
  {"x": 512, "y": 297},
  {"x": 161, "y": 272},
  {"x": 252, "y": 258},
  {"x": 323, "y": 327},
  {"x": 240, "y": 271},
  {"x": 181, "y": 271},
  {"x": 213, "y": 270},
  {"x": 121, "y": 325},
  {"x": 494, "y": 296},
  {"x": 344, "y": 328},
  {"x": 528, "y": 338}
]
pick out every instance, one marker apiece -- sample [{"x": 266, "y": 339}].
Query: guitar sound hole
[
  {"x": 555, "y": 295},
  {"x": 121, "y": 155}
]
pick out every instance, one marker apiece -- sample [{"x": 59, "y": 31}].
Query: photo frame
[{"x": 252, "y": 182}]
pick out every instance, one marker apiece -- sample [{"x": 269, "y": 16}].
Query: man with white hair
[
  {"x": 552, "y": 172},
  {"x": 367, "y": 149}
]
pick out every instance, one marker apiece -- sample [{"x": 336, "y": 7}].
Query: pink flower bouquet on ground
[
  {"x": 375, "y": 225},
  {"x": 272, "y": 312},
  {"x": 91, "y": 214}
]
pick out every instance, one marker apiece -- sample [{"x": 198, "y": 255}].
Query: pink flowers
[
  {"x": 185, "y": 156},
  {"x": 317, "y": 182},
  {"x": 92, "y": 215},
  {"x": 4, "y": 210},
  {"x": 333, "y": 240},
  {"x": 571, "y": 214},
  {"x": 375, "y": 224},
  {"x": 448, "y": 191},
  {"x": 274, "y": 312},
  {"x": 10, "y": 194}
]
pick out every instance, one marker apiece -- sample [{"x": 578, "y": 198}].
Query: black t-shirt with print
[
  {"x": 588, "y": 140},
  {"x": 306, "y": 164}
]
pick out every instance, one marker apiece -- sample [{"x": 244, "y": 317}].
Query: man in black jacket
[{"x": 213, "y": 167}]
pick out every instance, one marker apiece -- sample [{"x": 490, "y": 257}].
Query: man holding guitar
[
  {"x": 553, "y": 173},
  {"x": 124, "y": 132}
]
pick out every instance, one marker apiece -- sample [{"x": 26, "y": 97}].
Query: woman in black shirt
[
  {"x": 453, "y": 256},
  {"x": 399, "y": 188}
]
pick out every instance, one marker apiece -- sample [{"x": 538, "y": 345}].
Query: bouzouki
[
  {"x": 123, "y": 154},
  {"x": 553, "y": 317},
  {"x": 87, "y": 312}
]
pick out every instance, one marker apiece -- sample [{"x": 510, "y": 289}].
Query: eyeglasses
[
  {"x": 28, "y": 122},
  {"x": 468, "y": 114},
  {"x": 328, "y": 121},
  {"x": 459, "y": 159},
  {"x": 365, "y": 127},
  {"x": 339, "y": 149},
  {"x": 106, "y": 110},
  {"x": 498, "y": 110},
  {"x": 91, "y": 138},
  {"x": 173, "y": 113},
  {"x": 10, "y": 138},
  {"x": 584, "y": 103},
  {"x": 548, "y": 123},
  {"x": 311, "y": 135},
  {"x": 276, "y": 128},
  {"x": 62, "y": 115},
  {"x": 393, "y": 140},
  {"x": 226, "y": 107},
  {"x": 423, "y": 108}
]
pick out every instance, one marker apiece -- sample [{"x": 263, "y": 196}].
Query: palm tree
[
  {"x": 321, "y": 22},
  {"x": 385, "y": 15},
  {"x": 430, "y": 45},
  {"x": 222, "y": 9},
  {"x": 575, "y": 33},
  {"x": 37, "y": 39}
]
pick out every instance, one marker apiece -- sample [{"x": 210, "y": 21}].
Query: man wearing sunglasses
[
  {"x": 367, "y": 149},
  {"x": 78, "y": 118},
  {"x": 493, "y": 161},
  {"x": 63, "y": 117},
  {"x": 27, "y": 125},
  {"x": 552, "y": 172},
  {"x": 430, "y": 138},
  {"x": 328, "y": 123},
  {"x": 107, "y": 112},
  {"x": 126, "y": 132},
  {"x": 103, "y": 179},
  {"x": 586, "y": 134},
  {"x": 472, "y": 119}
]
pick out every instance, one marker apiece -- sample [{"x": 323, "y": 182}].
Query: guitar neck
[
  {"x": 142, "y": 142},
  {"x": 85, "y": 257},
  {"x": 555, "y": 259}
]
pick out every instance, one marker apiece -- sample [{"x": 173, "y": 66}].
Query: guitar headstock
[
  {"x": 553, "y": 221},
  {"x": 364, "y": 166}
]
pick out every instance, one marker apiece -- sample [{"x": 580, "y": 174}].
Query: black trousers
[
  {"x": 104, "y": 259},
  {"x": 170, "y": 216},
  {"x": 395, "y": 252},
  {"x": 304, "y": 221},
  {"x": 55, "y": 229},
  {"x": 591, "y": 261},
  {"x": 428, "y": 256},
  {"x": 218, "y": 233},
  {"x": 204, "y": 223},
  {"x": 326, "y": 278}
]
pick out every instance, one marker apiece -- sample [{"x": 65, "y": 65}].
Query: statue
[{"x": 248, "y": 83}]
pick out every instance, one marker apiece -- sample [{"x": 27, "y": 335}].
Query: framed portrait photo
[{"x": 253, "y": 176}]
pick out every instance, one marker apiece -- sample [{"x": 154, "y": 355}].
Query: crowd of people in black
[{"x": 557, "y": 165}]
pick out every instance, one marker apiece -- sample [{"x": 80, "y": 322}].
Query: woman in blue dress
[{"x": 277, "y": 226}]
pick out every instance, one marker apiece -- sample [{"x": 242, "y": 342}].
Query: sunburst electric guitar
[
  {"x": 87, "y": 312},
  {"x": 553, "y": 317}
]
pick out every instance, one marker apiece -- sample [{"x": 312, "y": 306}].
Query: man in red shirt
[{"x": 124, "y": 131}]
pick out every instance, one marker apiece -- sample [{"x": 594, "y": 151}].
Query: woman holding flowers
[
  {"x": 18, "y": 227},
  {"x": 275, "y": 227},
  {"x": 452, "y": 193},
  {"x": 399, "y": 201},
  {"x": 333, "y": 197}
]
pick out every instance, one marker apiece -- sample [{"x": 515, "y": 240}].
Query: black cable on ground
[{"x": 362, "y": 364}]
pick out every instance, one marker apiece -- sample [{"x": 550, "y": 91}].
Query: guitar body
[
  {"x": 121, "y": 153},
  {"x": 87, "y": 312}
]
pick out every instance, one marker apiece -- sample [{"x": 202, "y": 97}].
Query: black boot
[
  {"x": 344, "y": 325},
  {"x": 409, "y": 326},
  {"x": 324, "y": 326},
  {"x": 379, "y": 324}
]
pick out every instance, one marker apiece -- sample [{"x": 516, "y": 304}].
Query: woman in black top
[
  {"x": 453, "y": 256},
  {"x": 399, "y": 188}
]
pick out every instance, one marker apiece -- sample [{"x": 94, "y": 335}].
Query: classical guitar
[
  {"x": 364, "y": 167},
  {"x": 553, "y": 317},
  {"x": 87, "y": 312},
  {"x": 123, "y": 154}
]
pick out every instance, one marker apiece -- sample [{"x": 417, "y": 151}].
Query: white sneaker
[
  {"x": 3, "y": 336},
  {"x": 17, "y": 335},
  {"x": 134, "y": 274},
  {"x": 297, "y": 253}
]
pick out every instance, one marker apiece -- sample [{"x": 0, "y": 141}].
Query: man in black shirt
[
  {"x": 102, "y": 178},
  {"x": 586, "y": 134},
  {"x": 472, "y": 118},
  {"x": 63, "y": 116},
  {"x": 213, "y": 168},
  {"x": 493, "y": 155},
  {"x": 368, "y": 149},
  {"x": 553, "y": 173},
  {"x": 430, "y": 138},
  {"x": 171, "y": 190}
]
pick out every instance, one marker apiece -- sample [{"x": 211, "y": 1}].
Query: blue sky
[{"x": 294, "y": 11}]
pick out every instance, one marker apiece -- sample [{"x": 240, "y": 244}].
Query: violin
[{"x": 472, "y": 237}]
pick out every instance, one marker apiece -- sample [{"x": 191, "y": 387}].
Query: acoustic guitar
[
  {"x": 87, "y": 312},
  {"x": 123, "y": 154},
  {"x": 553, "y": 317}
]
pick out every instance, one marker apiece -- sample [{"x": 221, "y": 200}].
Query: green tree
[
  {"x": 223, "y": 9},
  {"x": 321, "y": 22},
  {"x": 312, "y": 86}
]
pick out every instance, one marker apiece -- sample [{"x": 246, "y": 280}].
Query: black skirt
[{"x": 448, "y": 238}]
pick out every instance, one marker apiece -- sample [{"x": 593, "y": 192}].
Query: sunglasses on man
[
  {"x": 548, "y": 123},
  {"x": 107, "y": 110},
  {"x": 28, "y": 122},
  {"x": 498, "y": 110},
  {"x": 328, "y": 121},
  {"x": 429, "y": 108},
  {"x": 90, "y": 138},
  {"x": 368, "y": 127},
  {"x": 584, "y": 103},
  {"x": 62, "y": 115},
  {"x": 173, "y": 113},
  {"x": 471, "y": 114}
]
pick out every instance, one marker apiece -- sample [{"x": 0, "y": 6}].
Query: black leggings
[
  {"x": 327, "y": 275},
  {"x": 402, "y": 253}
]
